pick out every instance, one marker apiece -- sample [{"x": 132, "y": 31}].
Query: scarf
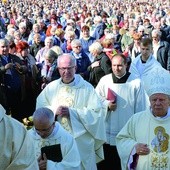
[{"x": 47, "y": 70}]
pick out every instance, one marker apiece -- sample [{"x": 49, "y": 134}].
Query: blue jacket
[{"x": 82, "y": 64}]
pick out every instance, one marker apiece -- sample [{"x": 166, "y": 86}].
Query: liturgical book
[
  {"x": 111, "y": 95},
  {"x": 53, "y": 152}
]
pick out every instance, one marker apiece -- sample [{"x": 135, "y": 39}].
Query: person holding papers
[{"x": 123, "y": 95}]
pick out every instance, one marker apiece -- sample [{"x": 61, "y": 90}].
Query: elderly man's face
[
  {"x": 159, "y": 104},
  {"x": 67, "y": 70},
  {"x": 43, "y": 129},
  {"x": 4, "y": 49},
  {"x": 155, "y": 37}
]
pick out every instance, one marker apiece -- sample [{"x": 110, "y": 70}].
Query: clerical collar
[{"x": 122, "y": 79}]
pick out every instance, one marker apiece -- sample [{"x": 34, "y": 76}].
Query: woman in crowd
[
  {"x": 134, "y": 49},
  {"x": 86, "y": 40},
  {"x": 48, "y": 72},
  {"x": 36, "y": 30},
  {"x": 41, "y": 53},
  {"x": 28, "y": 80},
  {"x": 66, "y": 46},
  {"x": 59, "y": 36},
  {"x": 81, "y": 58},
  {"x": 37, "y": 45},
  {"x": 108, "y": 44},
  {"x": 101, "y": 65}
]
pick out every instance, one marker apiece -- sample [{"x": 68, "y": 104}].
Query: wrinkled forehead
[
  {"x": 117, "y": 60},
  {"x": 159, "y": 95},
  {"x": 65, "y": 63}
]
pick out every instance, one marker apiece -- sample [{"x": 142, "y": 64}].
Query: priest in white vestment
[
  {"x": 16, "y": 148},
  {"x": 143, "y": 143},
  {"x": 67, "y": 157},
  {"x": 79, "y": 110},
  {"x": 130, "y": 98}
]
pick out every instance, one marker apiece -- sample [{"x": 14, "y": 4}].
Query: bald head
[
  {"x": 66, "y": 58},
  {"x": 43, "y": 116},
  {"x": 67, "y": 67}
]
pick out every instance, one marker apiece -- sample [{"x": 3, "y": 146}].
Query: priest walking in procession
[
  {"x": 143, "y": 143},
  {"x": 122, "y": 95},
  {"x": 78, "y": 108}
]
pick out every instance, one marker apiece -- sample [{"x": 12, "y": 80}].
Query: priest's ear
[
  {"x": 169, "y": 99},
  {"x": 75, "y": 68}
]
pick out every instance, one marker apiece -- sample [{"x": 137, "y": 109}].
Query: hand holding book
[
  {"x": 52, "y": 152},
  {"x": 111, "y": 95}
]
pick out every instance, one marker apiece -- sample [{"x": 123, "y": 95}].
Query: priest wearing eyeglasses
[
  {"x": 79, "y": 110},
  {"x": 55, "y": 147}
]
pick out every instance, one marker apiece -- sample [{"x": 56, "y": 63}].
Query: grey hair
[
  {"x": 9, "y": 38},
  {"x": 57, "y": 50},
  {"x": 44, "y": 114},
  {"x": 36, "y": 25},
  {"x": 75, "y": 42},
  {"x": 66, "y": 55},
  {"x": 69, "y": 33},
  {"x": 96, "y": 46},
  {"x": 49, "y": 38},
  {"x": 51, "y": 54},
  {"x": 10, "y": 30},
  {"x": 4, "y": 41},
  {"x": 22, "y": 24},
  {"x": 157, "y": 32}
]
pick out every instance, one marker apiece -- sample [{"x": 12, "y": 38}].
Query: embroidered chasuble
[
  {"x": 143, "y": 127},
  {"x": 65, "y": 98}
]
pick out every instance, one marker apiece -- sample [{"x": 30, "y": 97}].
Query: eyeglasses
[
  {"x": 66, "y": 68},
  {"x": 154, "y": 37},
  {"x": 79, "y": 46},
  {"x": 45, "y": 130}
]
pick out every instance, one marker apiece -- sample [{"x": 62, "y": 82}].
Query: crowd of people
[{"x": 92, "y": 75}]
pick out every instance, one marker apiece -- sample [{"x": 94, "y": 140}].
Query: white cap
[{"x": 158, "y": 81}]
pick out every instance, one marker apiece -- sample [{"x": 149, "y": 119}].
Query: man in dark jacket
[{"x": 161, "y": 49}]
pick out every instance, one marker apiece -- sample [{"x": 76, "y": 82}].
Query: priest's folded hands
[
  {"x": 142, "y": 149},
  {"x": 63, "y": 111}
]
